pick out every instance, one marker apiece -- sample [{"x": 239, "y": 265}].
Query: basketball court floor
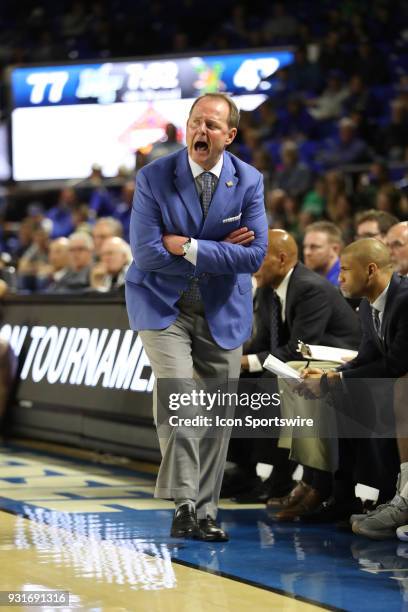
[{"x": 71, "y": 522}]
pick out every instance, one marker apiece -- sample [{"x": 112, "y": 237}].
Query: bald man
[
  {"x": 293, "y": 303},
  {"x": 310, "y": 307},
  {"x": 397, "y": 241},
  {"x": 367, "y": 272}
]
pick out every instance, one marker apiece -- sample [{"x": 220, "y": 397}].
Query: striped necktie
[
  {"x": 275, "y": 321},
  {"x": 376, "y": 320},
  {"x": 206, "y": 195},
  {"x": 192, "y": 294}
]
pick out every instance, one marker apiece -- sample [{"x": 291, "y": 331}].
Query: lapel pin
[{"x": 229, "y": 183}]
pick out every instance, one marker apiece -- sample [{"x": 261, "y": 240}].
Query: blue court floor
[{"x": 99, "y": 523}]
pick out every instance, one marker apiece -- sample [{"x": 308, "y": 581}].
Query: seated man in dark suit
[
  {"x": 292, "y": 303},
  {"x": 366, "y": 271}
]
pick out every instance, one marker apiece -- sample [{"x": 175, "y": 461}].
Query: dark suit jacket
[
  {"x": 315, "y": 312},
  {"x": 387, "y": 358},
  {"x": 71, "y": 282}
]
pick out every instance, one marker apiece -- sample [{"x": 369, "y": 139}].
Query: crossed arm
[{"x": 155, "y": 250}]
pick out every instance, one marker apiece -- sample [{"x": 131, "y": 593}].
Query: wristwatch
[{"x": 186, "y": 246}]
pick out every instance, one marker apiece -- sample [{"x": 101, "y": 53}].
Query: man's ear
[
  {"x": 337, "y": 248},
  {"x": 372, "y": 269},
  {"x": 231, "y": 135}
]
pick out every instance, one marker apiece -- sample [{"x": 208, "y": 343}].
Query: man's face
[
  {"x": 317, "y": 250},
  {"x": 397, "y": 241},
  {"x": 58, "y": 256},
  {"x": 79, "y": 254},
  {"x": 352, "y": 278},
  {"x": 369, "y": 229},
  {"x": 207, "y": 131},
  {"x": 100, "y": 233},
  {"x": 113, "y": 257}
]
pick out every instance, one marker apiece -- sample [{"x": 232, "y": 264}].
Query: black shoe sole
[
  {"x": 204, "y": 538},
  {"x": 185, "y": 535}
]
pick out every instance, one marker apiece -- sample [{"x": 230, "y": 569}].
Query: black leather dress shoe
[
  {"x": 209, "y": 531},
  {"x": 184, "y": 522}
]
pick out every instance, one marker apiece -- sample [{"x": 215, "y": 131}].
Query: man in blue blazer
[{"x": 198, "y": 231}]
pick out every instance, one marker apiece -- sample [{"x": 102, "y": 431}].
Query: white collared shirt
[
  {"x": 253, "y": 362},
  {"x": 197, "y": 171},
  {"x": 282, "y": 291}
]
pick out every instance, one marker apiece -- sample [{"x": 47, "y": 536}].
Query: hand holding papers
[
  {"x": 281, "y": 369},
  {"x": 292, "y": 376}
]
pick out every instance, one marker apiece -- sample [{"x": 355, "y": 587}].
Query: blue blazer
[{"x": 166, "y": 201}]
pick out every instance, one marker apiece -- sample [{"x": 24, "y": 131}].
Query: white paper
[
  {"x": 280, "y": 368},
  {"x": 328, "y": 353}
]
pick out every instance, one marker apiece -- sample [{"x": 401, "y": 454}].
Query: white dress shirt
[
  {"x": 197, "y": 170},
  {"x": 253, "y": 362}
]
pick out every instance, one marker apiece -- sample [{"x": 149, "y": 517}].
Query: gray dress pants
[{"x": 191, "y": 468}]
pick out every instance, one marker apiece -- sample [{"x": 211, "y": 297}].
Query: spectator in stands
[
  {"x": 61, "y": 213},
  {"x": 166, "y": 146},
  {"x": 109, "y": 273},
  {"x": 262, "y": 161},
  {"x": 315, "y": 200},
  {"x": 332, "y": 55},
  {"x": 303, "y": 75},
  {"x": 373, "y": 224},
  {"x": 58, "y": 259},
  {"x": 100, "y": 199},
  {"x": 295, "y": 122},
  {"x": 338, "y": 206},
  {"x": 23, "y": 240},
  {"x": 346, "y": 149},
  {"x": 281, "y": 27},
  {"x": 393, "y": 137},
  {"x": 77, "y": 278},
  {"x": 397, "y": 241},
  {"x": 124, "y": 208},
  {"x": 81, "y": 219},
  {"x": 329, "y": 105},
  {"x": 274, "y": 203},
  {"x": 322, "y": 245},
  {"x": 388, "y": 200},
  {"x": 378, "y": 177},
  {"x": 33, "y": 266},
  {"x": 268, "y": 126},
  {"x": 281, "y": 87},
  {"x": 105, "y": 227},
  {"x": 294, "y": 177},
  {"x": 340, "y": 215},
  {"x": 359, "y": 97}
]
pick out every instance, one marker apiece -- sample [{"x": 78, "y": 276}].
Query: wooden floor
[
  {"x": 106, "y": 576},
  {"x": 76, "y": 522}
]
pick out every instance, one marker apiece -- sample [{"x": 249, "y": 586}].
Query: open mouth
[{"x": 200, "y": 145}]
